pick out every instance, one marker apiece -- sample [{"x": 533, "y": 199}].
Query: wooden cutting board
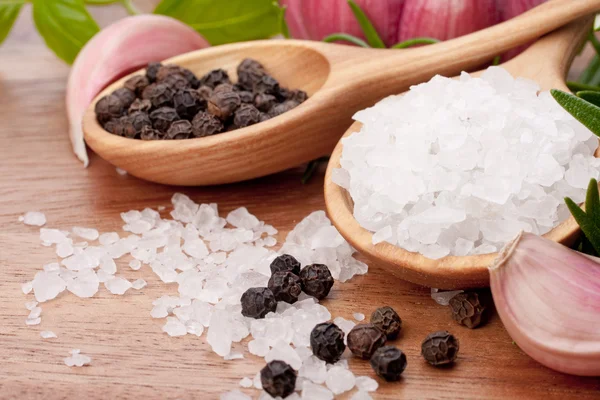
[{"x": 131, "y": 356}]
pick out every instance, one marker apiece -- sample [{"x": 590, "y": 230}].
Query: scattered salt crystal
[
  {"x": 108, "y": 238},
  {"x": 366, "y": 384},
  {"x": 21, "y": 218},
  {"x": 77, "y": 360},
  {"x": 138, "y": 284},
  {"x": 52, "y": 236},
  {"x": 117, "y": 285},
  {"x": 64, "y": 249},
  {"x": 259, "y": 347},
  {"x": 359, "y": 316},
  {"x": 47, "y": 285},
  {"x": 314, "y": 369},
  {"x": 120, "y": 171},
  {"x": 174, "y": 327},
  {"x": 35, "y": 312},
  {"x": 235, "y": 395},
  {"x": 246, "y": 382},
  {"x": 361, "y": 395},
  {"x": 33, "y": 321},
  {"x": 85, "y": 284},
  {"x": 135, "y": 264},
  {"x": 34, "y": 218},
  {"x": 256, "y": 381},
  {"x": 234, "y": 355},
  {"x": 241, "y": 218},
  {"x": 344, "y": 324},
  {"x": 339, "y": 380},
  {"x": 27, "y": 287},
  {"x": 30, "y": 305},
  {"x": 85, "y": 233},
  {"x": 194, "y": 328},
  {"x": 311, "y": 391},
  {"x": 161, "y": 208},
  {"x": 443, "y": 297},
  {"x": 284, "y": 352},
  {"x": 47, "y": 334}
]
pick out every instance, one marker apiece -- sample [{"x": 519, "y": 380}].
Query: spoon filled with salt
[
  {"x": 339, "y": 80},
  {"x": 546, "y": 62}
]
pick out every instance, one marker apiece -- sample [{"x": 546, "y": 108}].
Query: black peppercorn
[
  {"x": 264, "y": 102},
  {"x": 187, "y": 103},
  {"x": 206, "y": 124},
  {"x": 249, "y": 72},
  {"x": 205, "y": 92},
  {"x": 467, "y": 309},
  {"x": 266, "y": 85},
  {"x": 281, "y": 108},
  {"x": 132, "y": 124},
  {"x": 137, "y": 84},
  {"x": 224, "y": 87},
  {"x": 142, "y": 105},
  {"x": 316, "y": 280},
  {"x": 163, "y": 117},
  {"x": 258, "y": 302},
  {"x": 161, "y": 95},
  {"x": 388, "y": 320},
  {"x": 149, "y": 133},
  {"x": 167, "y": 70},
  {"x": 245, "y": 96},
  {"x": 152, "y": 70},
  {"x": 388, "y": 362},
  {"x": 297, "y": 95},
  {"x": 264, "y": 117},
  {"x": 283, "y": 94},
  {"x": 278, "y": 379},
  {"x": 439, "y": 348},
  {"x": 285, "y": 286},
  {"x": 147, "y": 93},
  {"x": 364, "y": 339},
  {"x": 175, "y": 81},
  {"x": 127, "y": 96},
  {"x": 246, "y": 115},
  {"x": 111, "y": 125},
  {"x": 181, "y": 129},
  {"x": 223, "y": 104},
  {"x": 286, "y": 263},
  {"x": 327, "y": 342},
  {"x": 214, "y": 78},
  {"x": 108, "y": 107}
]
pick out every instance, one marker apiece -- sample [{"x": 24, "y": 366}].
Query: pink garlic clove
[
  {"x": 548, "y": 297},
  {"x": 118, "y": 49}
]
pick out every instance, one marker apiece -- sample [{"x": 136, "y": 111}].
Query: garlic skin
[
  {"x": 548, "y": 297},
  {"x": 121, "y": 48}
]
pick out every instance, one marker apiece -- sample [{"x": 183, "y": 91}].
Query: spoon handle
[{"x": 385, "y": 72}]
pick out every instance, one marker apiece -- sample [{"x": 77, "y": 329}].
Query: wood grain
[
  {"x": 546, "y": 62},
  {"x": 340, "y": 80},
  {"x": 131, "y": 357}
]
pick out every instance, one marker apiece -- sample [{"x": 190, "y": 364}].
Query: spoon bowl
[
  {"x": 546, "y": 62},
  {"x": 339, "y": 81}
]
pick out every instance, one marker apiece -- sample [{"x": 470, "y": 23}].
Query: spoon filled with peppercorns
[{"x": 245, "y": 110}]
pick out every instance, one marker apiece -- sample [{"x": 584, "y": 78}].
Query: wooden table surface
[{"x": 131, "y": 356}]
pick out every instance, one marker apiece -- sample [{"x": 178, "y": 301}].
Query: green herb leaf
[
  {"x": 367, "y": 27},
  {"x": 8, "y": 15},
  {"x": 414, "y": 42},
  {"x": 65, "y": 25},
  {"x": 228, "y": 21},
  {"x": 591, "y": 231},
  {"x": 590, "y": 96},
  {"x": 345, "y": 37},
  {"x": 592, "y": 202},
  {"x": 591, "y": 75},
  {"x": 496, "y": 60},
  {"x": 586, "y": 113},
  {"x": 578, "y": 87}
]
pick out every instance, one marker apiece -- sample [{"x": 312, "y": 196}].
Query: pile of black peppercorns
[{"x": 170, "y": 102}]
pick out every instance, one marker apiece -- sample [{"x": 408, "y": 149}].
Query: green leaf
[
  {"x": 345, "y": 37},
  {"x": 8, "y": 14},
  {"x": 590, "y": 96},
  {"x": 592, "y": 202},
  {"x": 586, "y": 113},
  {"x": 226, "y": 21},
  {"x": 414, "y": 42},
  {"x": 594, "y": 41},
  {"x": 367, "y": 27},
  {"x": 591, "y": 74},
  {"x": 578, "y": 87},
  {"x": 590, "y": 230},
  {"x": 496, "y": 60},
  {"x": 65, "y": 25},
  {"x": 283, "y": 26}
]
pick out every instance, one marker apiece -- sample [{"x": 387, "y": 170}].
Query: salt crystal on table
[
  {"x": 246, "y": 382},
  {"x": 360, "y": 395},
  {"x": 108, "y": 238},
  {"x": 366, "y": 384},
  {"x": 339, "y": 380},
  {"x": 117, "y": 285},
  {"x": 161, "y": 208},
  {"x": 52, "y": 236},
  {"x": 64, "y": 249},
  {"x": 256, "y": 381},
  {"x": 284, "y": 352},
  {"x": 47, "y": 285},
  {"x": 120, "y": 171},
  {"x": 30, "y": 305},
  {"x": 344, "y": 324},
  {"x": 35, "y": 312},
  {"x": 47, "y": 334},
  {"x": 235, "y": 395},
  {"x": 135, "y": 264},
  {"x": 33, "y": 321},
  {"x": 259, "y": 347},
  {"x": 241, "y": 218},
  {"x": 234, "y": 355},
  {"x": 85, "y": 233},
  {"x": 194, "y": 328},
  {"x": 314, "y": 369},
  {"x": 77, "y": 360},
  {"x": 311, "y": 391},
  {"x": 34, "y": 218},
  {"x": 443, "y": 297},
  {"x": 27, "y": 287},
  {"x": 359, "y": 316},
  {"x": 138, "y": 284},
  {"x": 174, "y": 327},
  {"x": 85, "y": 284}
]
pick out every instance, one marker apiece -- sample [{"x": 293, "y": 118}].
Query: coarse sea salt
[
  {"x": 460, "y": 166},
  {"x": 212, "y": 260},
  {"x": 34, "y": 218},
  {"x": 76, "y": 359}
]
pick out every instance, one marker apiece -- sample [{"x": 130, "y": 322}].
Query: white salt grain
[
  {"x": 34, "y": 218},
  {"x": 138, "y": 284},
  {"x": 246, "y": 382},
  {"x": 458, "y": 167},
  {"x": 33, "y": 321},
  {"x": 259, "y": 347},
  {"x": 27, "y": 287},
  {"x": 35, "y": 312},
  {"x": 47, "y": 335},
  {"x": 108, "y": 238},
  {"x": 443, "y": 297},
  {"x": 135, "y": 264},
  {"x": 234, "y": 355},
  {"x": 120, "y": 171},
  {"x": 30, "y": 305},
  {"x": 174, "y": 327},
  {"x": 339, "y": 380},
  {"x": 117, "y": 285},
  {"x": 77, "y": 360},
  {"x": 85, "y": 233},
  {"x": 64, "y": 249},
  {"x": 366, "y": 384},
  {"x": 311, "y": 391},
  {"x": 359, "y": 316}
]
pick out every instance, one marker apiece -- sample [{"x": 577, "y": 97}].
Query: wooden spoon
[
  {"x": 339, "y": 80},
  {"x": 546, "y": 62}
]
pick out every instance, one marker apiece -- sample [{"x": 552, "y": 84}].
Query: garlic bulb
[
  {"x": 117, "y": 50},
  {"x": 548, "y": 297}
]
